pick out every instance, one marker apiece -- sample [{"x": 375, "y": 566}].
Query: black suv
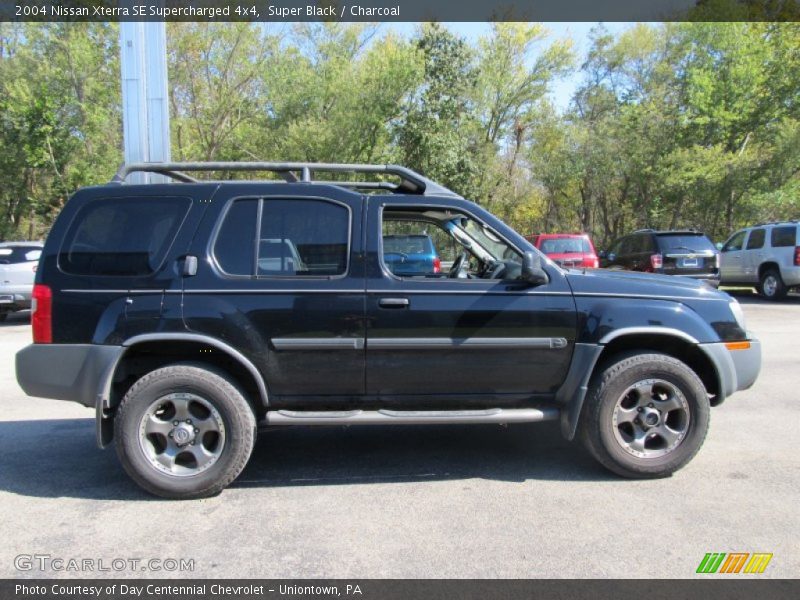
[
  {"x": 688, "y": 253},
  {"x": 192, "y": 314}
]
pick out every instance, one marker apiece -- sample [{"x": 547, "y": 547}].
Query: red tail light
[
  {"x": 797, "y": 256},
  {"x": 42, "y": 314},
  {"x": 656, "y": 261},
  {"x": 437, "y": 265}
]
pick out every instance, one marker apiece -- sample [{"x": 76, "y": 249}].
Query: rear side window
[
  {"x": 14, "y": 255},
  {"x": 782, "y": 237},
  {"x": 756, "y": 239},
  {"x": 122, "y": 237},
  {"x": 294, "y": 237}
]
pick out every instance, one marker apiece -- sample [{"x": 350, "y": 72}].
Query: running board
[{"x": 410, "y": 417}]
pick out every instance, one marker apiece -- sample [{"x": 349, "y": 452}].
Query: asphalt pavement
[{"x": 410, "y": 501}]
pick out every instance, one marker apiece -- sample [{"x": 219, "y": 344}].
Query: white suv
[{"x": 766, "y": 256}]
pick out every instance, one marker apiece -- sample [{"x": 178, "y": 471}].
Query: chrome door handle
[{"x": 393, "y": 303}]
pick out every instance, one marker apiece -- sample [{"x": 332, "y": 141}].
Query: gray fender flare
[
  {"x": 103, "y": 405},
  {"x": 572, "y": 393}
]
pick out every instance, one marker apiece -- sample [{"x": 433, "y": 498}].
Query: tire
[
  {"x": 215, "y": 423},
  {"x": 3, "y": 316},
  {"x": 619, "y": 395},
  {"x": 771, "y": 285}
]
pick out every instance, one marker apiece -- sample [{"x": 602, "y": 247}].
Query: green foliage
[{"x": 60, "y": 124}]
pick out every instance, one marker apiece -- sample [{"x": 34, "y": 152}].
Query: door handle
[{"x": 393, "y": 303}]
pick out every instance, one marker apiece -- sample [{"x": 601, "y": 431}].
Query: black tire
[
  {"x": 771, "y": 285},
  {"x": 3, "y": 316},
  {"x": 216, "y": 390},
  {"x": 602, "y": 437}
]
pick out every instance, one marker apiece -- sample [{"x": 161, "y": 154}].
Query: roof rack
[
  {"x": 411, "y": 182},
  {"x": 765, "y": 223}
]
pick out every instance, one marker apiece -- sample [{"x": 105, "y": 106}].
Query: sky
[{"x": 562, "y": 90}]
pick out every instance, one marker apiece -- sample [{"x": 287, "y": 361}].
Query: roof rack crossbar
[{"x": 411, "y": 182}]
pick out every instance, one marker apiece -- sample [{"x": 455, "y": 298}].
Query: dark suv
[
  {"x": 192, "y": 314},
  {"x": 688, "y": 253}
]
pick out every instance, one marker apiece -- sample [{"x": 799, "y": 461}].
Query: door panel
[
  {"x": 732, "y": 259},
  {"x": 431, "y": 342},
  {"x": 301, "y": 319}
]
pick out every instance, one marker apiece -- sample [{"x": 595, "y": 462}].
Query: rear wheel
[
  {"x": 184, "y": 431},
  {"x": 3, "y": 316},
  {"x": 771, "y": 285},
  {"x": 646, "y": 416}
]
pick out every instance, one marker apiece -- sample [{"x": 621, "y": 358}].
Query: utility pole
[{"x": 145, "y": 100}]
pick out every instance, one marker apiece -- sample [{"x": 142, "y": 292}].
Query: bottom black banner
[{"x": 369, "y": 589}]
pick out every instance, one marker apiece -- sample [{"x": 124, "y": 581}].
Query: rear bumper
[
  {"x": 736, "y": 369},
  {"x": 791, "y": 276},
  {"x": 15, "y": 297},
  {"x": 75, "y": 372}
]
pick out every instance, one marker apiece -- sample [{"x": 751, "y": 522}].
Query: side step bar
[{"x": 410, "y": 417}]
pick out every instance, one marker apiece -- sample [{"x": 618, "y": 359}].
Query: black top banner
[{"x": 400, "y": 10}]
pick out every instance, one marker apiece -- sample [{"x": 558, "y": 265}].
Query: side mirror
[{"x": 532, "y": 271}]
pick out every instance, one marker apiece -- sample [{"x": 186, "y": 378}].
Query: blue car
[{"x": 411, "y": 255}]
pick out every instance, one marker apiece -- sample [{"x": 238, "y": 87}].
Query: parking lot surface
[{"x": 448, "y": 501}]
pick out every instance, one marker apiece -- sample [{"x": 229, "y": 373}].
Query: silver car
[
  {"x": 18, "y": 262},
  {"x": 765, "y": 256}
]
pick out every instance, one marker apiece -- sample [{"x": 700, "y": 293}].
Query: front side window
[
  {"x": 293, "y": 237},
  {"x": 735, "y": 243},
  {"x": 122, "y": 236},
  {"x": 437, "y": 243}
]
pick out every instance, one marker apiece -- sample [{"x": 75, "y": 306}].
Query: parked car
[
  {"x": 18, "y": 262},
  {"x": 567, "y": 249},
  {"x": 765, "y": 256},
  {"x": 153, "y": 306},
  {"x": 411, "y": 255},
  {"x": 687, "y": 253}
]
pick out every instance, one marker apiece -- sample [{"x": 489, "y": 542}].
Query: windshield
[
  {"x": 487, "y": 240},
  {"x": 565, "y": 245},
  {"x": 685, "y": 243}
]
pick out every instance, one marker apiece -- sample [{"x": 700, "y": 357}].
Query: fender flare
[
  {"x": 103, "y": 405},
  {"x": 585, "y": 358}
]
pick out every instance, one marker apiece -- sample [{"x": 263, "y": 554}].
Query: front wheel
[
  {"x": 646, "y": 416},
  {"x": 184, "y": 431}
]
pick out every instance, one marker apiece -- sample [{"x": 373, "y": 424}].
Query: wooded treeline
[{"x": 676, "y": 125}]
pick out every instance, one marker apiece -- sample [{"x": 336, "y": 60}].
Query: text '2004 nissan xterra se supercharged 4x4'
[{"x": 191, "y": 314}]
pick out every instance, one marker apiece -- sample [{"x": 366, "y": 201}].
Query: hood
[{"x": 605, "y": 281}]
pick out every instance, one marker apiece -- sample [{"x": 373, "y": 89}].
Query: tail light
[
  {"x": 437, "y": 265},
  {"x": 797, "y": 256},
  {"x": 594, "y": 263},
  {"x": 42, "y": 314},
  {"x": 656, "y": 261}
]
